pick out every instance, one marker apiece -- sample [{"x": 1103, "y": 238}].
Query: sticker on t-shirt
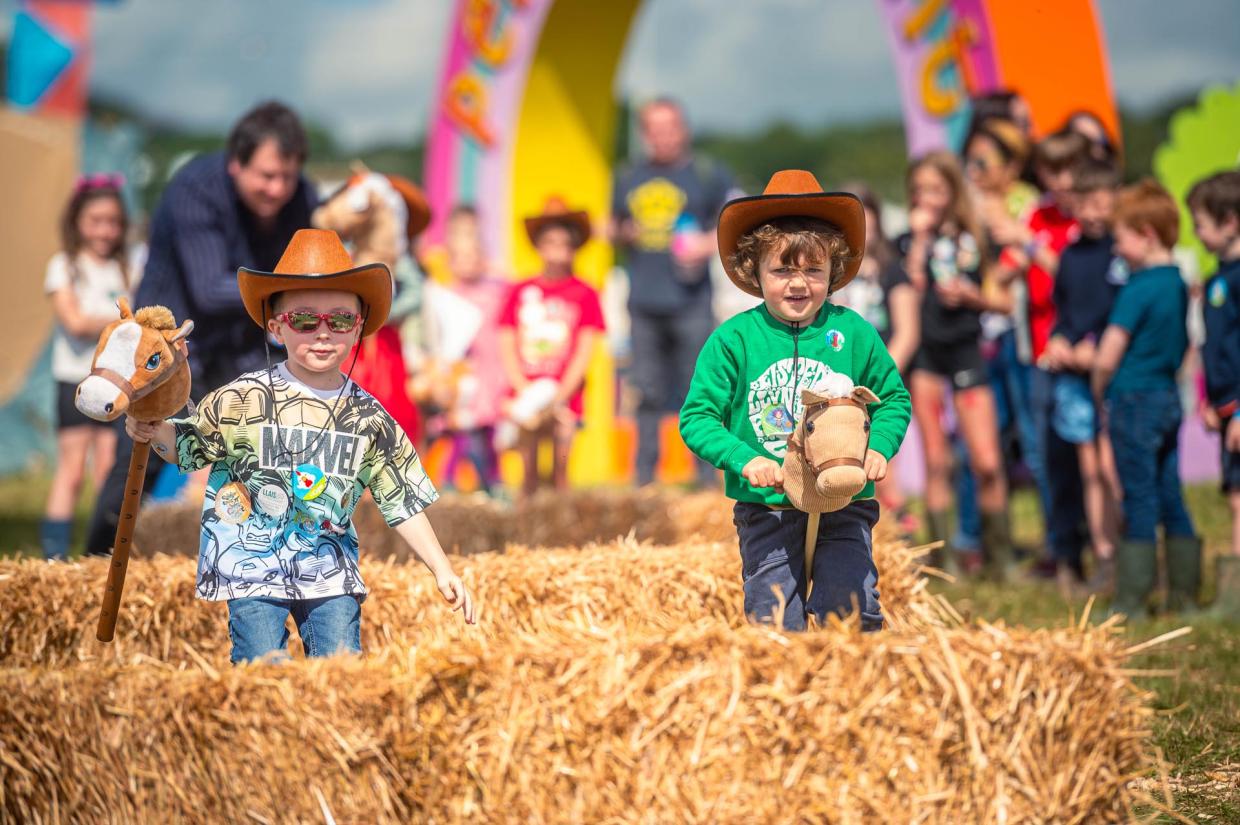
[
  {"x": 308, "y": 482},
  {"x": 1218, "y": 293},
  {"x": 777, "y": 421},
  {"x": 1117, "y": 272},
  {"x": 232, "y": 503},
  {"x": 836, "y": 339},
  {"x": 271, "y": 500}
]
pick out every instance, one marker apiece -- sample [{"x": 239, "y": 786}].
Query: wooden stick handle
[
  {"x": 811, "y": 544},
  {"x": 124, "y": 537}
]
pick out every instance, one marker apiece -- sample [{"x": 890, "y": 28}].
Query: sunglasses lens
[
  {"x": 342, "y": 321},
  {"x": 303, "y": 321}
]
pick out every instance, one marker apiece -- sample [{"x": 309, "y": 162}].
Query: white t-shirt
[{"x": 97, "y": 288}]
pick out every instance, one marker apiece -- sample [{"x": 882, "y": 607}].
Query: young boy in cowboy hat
[
  {"x": 548, "y": 328},
  {"x": 291, "y": 450},
  {"x": 793, "y": 246}
]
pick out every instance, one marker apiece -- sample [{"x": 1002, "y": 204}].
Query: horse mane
[{"x": 156, "y": 317}]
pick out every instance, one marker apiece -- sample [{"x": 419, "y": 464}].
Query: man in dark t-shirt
[
  {"x": 664, "y": 209},
  {"x": 224, "y": 210}
]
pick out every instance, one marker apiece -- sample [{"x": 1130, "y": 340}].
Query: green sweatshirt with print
[{"x": 745, "y": 397}]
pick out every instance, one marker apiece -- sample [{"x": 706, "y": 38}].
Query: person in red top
[
  {"x": 548, "y": 329},
  {"x": 1033, "y": 253}
]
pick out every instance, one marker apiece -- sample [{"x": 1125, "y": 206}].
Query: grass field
[{"x": 1198, "y": 698}]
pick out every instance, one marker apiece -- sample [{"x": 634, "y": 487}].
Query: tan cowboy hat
[
  {"x": 792, "y": 193},
  {"x": 316, "y": 259},
  {"x": 556, "y": 211}
]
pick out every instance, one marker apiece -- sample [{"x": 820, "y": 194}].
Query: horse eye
[{"x": 152, "y": 362}]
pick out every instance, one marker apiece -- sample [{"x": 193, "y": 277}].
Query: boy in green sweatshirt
[{"x": 793, "y": 246}]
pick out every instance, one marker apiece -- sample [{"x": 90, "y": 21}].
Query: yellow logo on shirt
[{"x": 655, "y": 206}]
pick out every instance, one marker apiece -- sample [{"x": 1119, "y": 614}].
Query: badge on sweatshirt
[
  {"x": 271, "y": 500},
  {"x": 232, "y": 503},
  {"x": 308, "y": 482},
  {"x": 836, "y": 339},
  {"x": 1218, "y": 293}
]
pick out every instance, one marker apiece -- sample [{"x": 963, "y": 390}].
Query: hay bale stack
[
  {"x": 475, "y": 524},
  {"x": 707, "y": 724},
  {"x": 51, "y": 609}
]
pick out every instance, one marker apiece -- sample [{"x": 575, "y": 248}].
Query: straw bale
[
  {"x": 51, "y": 609},
  {"x": 708, "y": 723},
  {"x": 476, "y": 524}
]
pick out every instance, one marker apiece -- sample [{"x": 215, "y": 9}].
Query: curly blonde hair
[{"x": 796, "y": 239}]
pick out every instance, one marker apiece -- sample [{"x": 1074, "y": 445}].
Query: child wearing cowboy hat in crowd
[
  {"x": 291, "y": 449},
  {"x": 548, "y": 328},
  {"x": 793, "y": 246}
]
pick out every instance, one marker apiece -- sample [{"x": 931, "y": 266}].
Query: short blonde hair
[{"x": 796, "y": 238}]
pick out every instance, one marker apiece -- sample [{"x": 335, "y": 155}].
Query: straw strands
[
  {"x": 51, "y": 610},
  {"x": 707, "y": 723},
  {"x": 606, "y": 682}
]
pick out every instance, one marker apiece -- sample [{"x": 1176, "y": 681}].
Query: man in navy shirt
[
  {"x": 224, "y": 210},
  {"x": 664, "y": 209}
]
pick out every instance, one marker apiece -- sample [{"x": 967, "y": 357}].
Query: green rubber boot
[
  {"x": 1227, "y": 602},
  {"x": 940, "y": 527},
  {"x": 1183, "y": 573},
  {"x": 997, "y": 546},
  {"x": 1136, "y": 565}
]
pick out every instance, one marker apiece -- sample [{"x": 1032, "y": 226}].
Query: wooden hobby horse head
[{"x": 140, "y": 367}]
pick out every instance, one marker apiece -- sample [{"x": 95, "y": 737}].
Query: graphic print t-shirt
[
  {"x": 277, "y": 518},
  {"x": 548, "y": 317}
]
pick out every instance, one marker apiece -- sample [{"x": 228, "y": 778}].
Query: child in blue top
[
  {"x": 1215, "y": 206},
  {"x": 1087, "y": 282},
  {"x": 1135, "y": 372}
]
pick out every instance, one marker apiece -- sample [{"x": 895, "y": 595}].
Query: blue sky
[{"x": 367, "y": 68}]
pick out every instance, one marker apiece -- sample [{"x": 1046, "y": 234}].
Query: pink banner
[
  {"x": 469, "y": 152},
  {"x": 943, "y": 53}
]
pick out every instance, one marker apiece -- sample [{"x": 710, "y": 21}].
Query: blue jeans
[
  {"x": 1145, "y": 433},
  {"x": 773, "y": 564},
  {"x": 258, "y": 626},
  {"x": 1065, "y": 517}
]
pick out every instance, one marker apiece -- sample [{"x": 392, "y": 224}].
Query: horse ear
[
  {"x": 810, "y": 396},
  {"x": 865, "y": 394},
  {"x": 174, "y": 335},
  {"x": 122, "y": 303}
]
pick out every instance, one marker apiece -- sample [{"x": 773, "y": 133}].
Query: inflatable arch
[{"x": 525, "y": 108}]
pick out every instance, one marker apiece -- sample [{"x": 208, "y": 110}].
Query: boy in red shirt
[{"x": 548, "y": 328}]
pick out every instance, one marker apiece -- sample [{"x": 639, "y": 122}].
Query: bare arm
[
  {"x": 71, "y": 317},
  {"x": 161, "y": 435},
  {"x": 905, "y": 305},
  {"x": 1110, "y": 352},
  {"x": 576, "y": 372},
  {"x": 420, "y": 536}
]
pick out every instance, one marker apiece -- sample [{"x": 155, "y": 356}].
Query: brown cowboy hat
[
  {"x": 792, "y": 193},
  {"x": 556, "y": 212},
  {"x": 316, "y": 259}
]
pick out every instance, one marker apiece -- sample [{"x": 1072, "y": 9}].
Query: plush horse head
[
  {"x": 379, "y": 215},
  {"x": 140, "y": 367},
  {"x": 825, "y": 463}
]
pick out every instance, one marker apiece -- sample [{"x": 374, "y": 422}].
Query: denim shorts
[
  {"x": 1074, "y": 416},
  {"x": 258, "y": 626}
]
